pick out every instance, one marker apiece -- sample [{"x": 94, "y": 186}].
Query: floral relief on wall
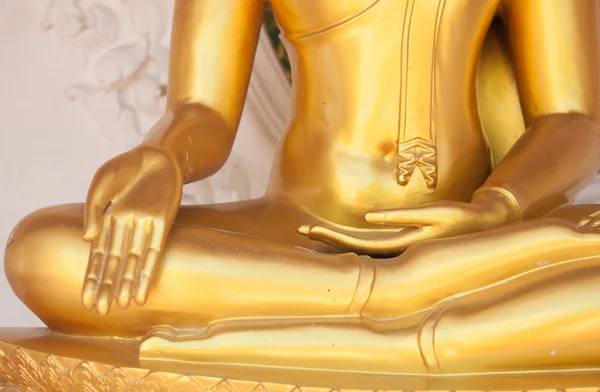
[{"x": 123, "y": 48}]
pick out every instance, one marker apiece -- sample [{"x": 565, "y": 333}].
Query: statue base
[{"x": 38, "y": 360}]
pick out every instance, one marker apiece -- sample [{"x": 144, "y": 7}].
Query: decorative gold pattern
[
  {"x": 417, "y": 153},
  {"x": 31, "y": 370},
  {"x": 408, "y": 132}
]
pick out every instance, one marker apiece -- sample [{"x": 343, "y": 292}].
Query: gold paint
[{"x": 480, "y": 268}]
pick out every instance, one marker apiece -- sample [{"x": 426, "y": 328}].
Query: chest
[
  {"x": 402, "y": 69},
  {"x": 415, "y": 20}
]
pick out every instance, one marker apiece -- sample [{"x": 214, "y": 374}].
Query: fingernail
[
  {"x": 90, "y": 232},
  {"x": 375, "y": 217},
  {"x": 141, "y": 296},
  {"x": 103, "y": 305},
  {"x": 88, "y": 295},
  {"x": 124, "y": 299},
  {"x": 304, "y": 230}
]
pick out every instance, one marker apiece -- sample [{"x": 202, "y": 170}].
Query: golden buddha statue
[{"x": 419, "y": 216}]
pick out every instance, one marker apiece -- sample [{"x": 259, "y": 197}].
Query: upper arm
[
  {"x": 555, "y": 52},
  {"x": 212, "y": 53}
]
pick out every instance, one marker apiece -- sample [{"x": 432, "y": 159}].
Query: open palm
[
  {"x": 131, "y": 206},
  {"x": 395, "y": 230}
]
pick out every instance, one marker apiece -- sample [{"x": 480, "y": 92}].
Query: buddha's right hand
[{"x": 130, "y": 208}]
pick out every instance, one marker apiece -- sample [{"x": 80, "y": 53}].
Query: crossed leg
[
  {"x": 546, "y": 319},
  {"x": 524, "y": 297},
  {"x": 220, "y": 261},
  {"x": 212, "y": 274}
]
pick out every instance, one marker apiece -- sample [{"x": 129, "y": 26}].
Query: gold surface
[
  {"x": 418, "y": 219},
  {"x": 45, "y": 362}
]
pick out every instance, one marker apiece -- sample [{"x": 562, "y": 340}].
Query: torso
[{"x": 385, "y": 104}]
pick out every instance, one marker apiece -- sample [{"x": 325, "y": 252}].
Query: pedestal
[{"x": 40, "y": 361}]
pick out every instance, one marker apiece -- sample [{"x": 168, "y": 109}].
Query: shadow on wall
[{"x": 274, "y": 32}]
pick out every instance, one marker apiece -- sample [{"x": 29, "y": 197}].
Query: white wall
[{"x": 62, "y": 115}]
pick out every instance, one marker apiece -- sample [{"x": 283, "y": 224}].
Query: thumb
[
  {"x": 93, "y": 218},
  {"x": 97, "y": 202},
  {"x": 408, "y": 216}
]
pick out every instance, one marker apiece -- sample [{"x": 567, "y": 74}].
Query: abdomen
[{"x": 338, "y": 159}]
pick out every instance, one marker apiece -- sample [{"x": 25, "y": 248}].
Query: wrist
[
  {"x": 153, "y": 153},
  {"x": 197, "y": 137},
  {"x": 501, "y": 204}
]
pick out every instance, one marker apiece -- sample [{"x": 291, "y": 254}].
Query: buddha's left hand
[{"x": 415, "y": 224}]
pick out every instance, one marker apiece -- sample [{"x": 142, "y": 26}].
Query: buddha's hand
[
  {"x": 131, "y": 205},
  {"x": 397, "y": 229}
]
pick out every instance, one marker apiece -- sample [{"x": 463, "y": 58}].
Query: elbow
[
  {"x": 574, "y": 122},
  {"x": 198, "y": 114},
  {"x": 584, "y": 123}
]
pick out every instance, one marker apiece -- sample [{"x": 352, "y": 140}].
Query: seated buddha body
[{"x": 418, "y": 216}]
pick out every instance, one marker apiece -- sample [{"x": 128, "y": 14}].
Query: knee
[{"x": 37, "y": 245}]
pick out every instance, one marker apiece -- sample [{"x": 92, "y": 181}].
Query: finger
[
  {"x": 341, "y": 240},
  {"x": 132, "y": 260},
  {"x": 149, "y": 263},
  {"x": 92, "y": 221},
  {"x": 97, "y": 201},
  {"x": 112, "y": 266},
  {"x": 393, "y": 244},
  {"x": 593, "y": 223},
  {"x": 147, "y": 273},
  {"x": 411, "y": 216},
  {"x": 306, "y": 231},
  {"x": 89, "y": 294}
]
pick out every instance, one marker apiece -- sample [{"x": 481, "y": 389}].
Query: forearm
[
  {"x": 554, "y": 46},
  {"x": 212, "y": 53},
  {"x": 554, "y": 160}
]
